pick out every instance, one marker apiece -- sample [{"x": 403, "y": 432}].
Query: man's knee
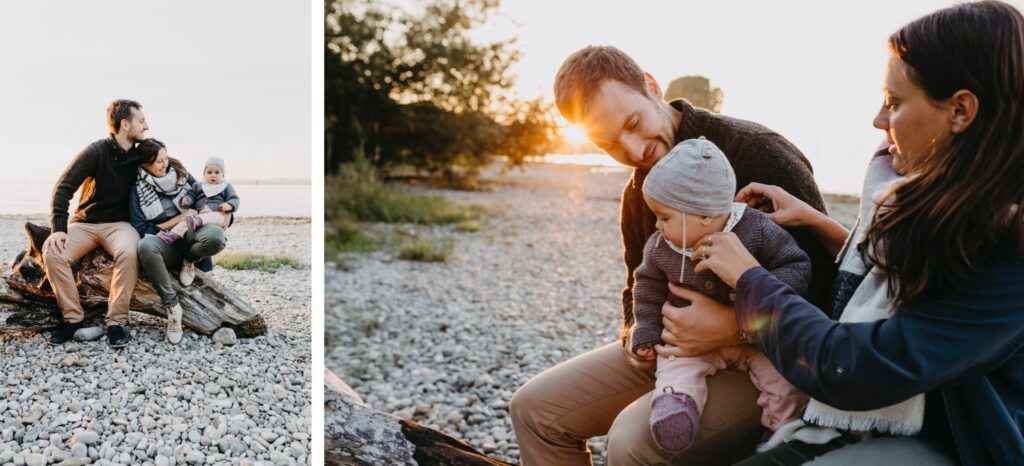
[
  {"x": 629, "y": 438},
  {"x": 522, "y": 407},
  {"x": 53, "y": 258},
  {"x": 126, "y": 255}
]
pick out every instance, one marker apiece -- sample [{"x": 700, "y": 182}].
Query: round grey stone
[
  {"x": 80, "y": 450},
  {"x": 86, "y": 437},
  {"x": 225, "y": 336},
  {"x": 88, "y": 334}
]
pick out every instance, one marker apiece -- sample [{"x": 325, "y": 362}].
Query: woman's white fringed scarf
[{"x": 861, "y": 292}]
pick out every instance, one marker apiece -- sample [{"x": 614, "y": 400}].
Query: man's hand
[
  {"x": 703, "y": 326},
  {"x": 225, "y": 207},
  {"x": 58, "y": 241}
]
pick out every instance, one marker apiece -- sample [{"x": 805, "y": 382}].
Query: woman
[
  {"x": 948, "y": 242},
  {"x": 154, "y": 208}
]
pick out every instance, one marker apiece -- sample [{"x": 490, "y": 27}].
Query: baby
[
  {"x": 214, "y": 198},
  {"x": 691, "y": 193}
]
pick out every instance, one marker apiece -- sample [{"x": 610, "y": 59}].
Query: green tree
[
  {"x": 403, "y": 88},
  {"x": 698, "y": 90}
]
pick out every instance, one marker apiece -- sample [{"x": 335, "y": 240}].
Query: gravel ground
[
  {"x": 446, "y": 344},
  {"x": 154, "y": 403}
]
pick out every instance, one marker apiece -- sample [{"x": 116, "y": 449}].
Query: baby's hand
[
  {"x": 646, "y": 352},
  {"x": 185, "y": 202},
  {"x": 225, "y": 207}
]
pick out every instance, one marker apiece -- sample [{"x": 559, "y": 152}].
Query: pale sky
[
  {"x": 228, "y": 78},
  {"x": 811, "y": 71}
]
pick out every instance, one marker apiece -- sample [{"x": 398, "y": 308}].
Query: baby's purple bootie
[
  {"x": 193, "y": 222},
  {"x": 675, "y": 421},
  {"x": 167, "y": 236}
]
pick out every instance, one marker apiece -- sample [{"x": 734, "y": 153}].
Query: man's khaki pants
[
  {"x": 121, "y": 241},
  {"x": 598, "y": 393}
]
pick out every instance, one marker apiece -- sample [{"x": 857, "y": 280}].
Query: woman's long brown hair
[
  {"x": 148, "y": 150},
  {"x": 962, "y": 204}
]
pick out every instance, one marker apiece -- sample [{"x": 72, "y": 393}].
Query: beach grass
[
  {"x": 357, "y": 195},
  {"x": 422, "y": 250},
  {"x": 358, "y": 192},
  {"x": 345, "y": 235},
  {"x": 467, "y": 226},
  {"x": 248, "y": 261}
]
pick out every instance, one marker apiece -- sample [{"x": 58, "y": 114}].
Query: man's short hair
[
  {"x": 582, "y": 74},
  {"x": 120, "y": 109}
]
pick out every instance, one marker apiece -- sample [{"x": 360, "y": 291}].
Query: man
[
  {"x": 608, "y": 391},
  {"x": 106, "y": 171}
]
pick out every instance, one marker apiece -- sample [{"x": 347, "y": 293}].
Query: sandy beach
[
  {"x": 157, "y": 404},
  {"x": 446, "y": 344}
]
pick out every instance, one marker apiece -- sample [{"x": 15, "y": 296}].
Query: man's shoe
[
  {"x": 174, "y": 332},
  {"x": 64, "y": 332},
  {"x": 187, "y": 274},
  {"x": 117, "y": 336}
]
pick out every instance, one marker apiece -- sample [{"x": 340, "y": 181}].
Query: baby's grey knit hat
[
  {"x": 693, "y": 178},
  {"x": 218, "y": 161}
]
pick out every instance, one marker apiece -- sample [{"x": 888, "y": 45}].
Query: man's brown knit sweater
[
  {"x": 757, "y": 154},
  {"x": 106, "y": 173}
]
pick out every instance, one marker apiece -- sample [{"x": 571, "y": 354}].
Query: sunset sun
[{"x": 574, "y": 135}]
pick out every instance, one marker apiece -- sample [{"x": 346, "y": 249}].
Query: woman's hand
[
  {"x": 166, "y": 226},
  {"x": 786, "y": 210},
  {"x": 703, "y": 326},
  {"x": 782, "y": 208},
  {"x": 723, "y": 254},
  {"x": 225, "y": 207}
]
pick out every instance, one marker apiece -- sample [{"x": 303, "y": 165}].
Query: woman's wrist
[
  {"x": 747, "y": 335},
  {"x": 832, "y": 233}
]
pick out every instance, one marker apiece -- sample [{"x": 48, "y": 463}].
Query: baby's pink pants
[{"x": 780, "y": 401}]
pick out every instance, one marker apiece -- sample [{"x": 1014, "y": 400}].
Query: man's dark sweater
[
  {"x": 757, "y": 154},
  {"x": 106, "y": 173}
]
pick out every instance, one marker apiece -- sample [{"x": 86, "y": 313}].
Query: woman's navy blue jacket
[
  {"x": 966, "y": 344},
  {"x": 148, "y": 227}
]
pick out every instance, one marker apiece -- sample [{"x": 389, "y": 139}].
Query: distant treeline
[{"x": 406, "y": 89}]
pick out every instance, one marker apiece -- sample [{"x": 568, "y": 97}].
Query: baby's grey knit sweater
[{"x": 773, "y": 248}]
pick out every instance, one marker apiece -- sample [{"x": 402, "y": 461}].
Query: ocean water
[{"x": 276, "y": 200}]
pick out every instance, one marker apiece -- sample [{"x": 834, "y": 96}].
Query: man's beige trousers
[{"x": 121, "y": 241}]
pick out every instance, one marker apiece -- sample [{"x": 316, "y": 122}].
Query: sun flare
[{"x": 574, "y": 135}]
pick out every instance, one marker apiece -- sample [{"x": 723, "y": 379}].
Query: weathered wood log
[
  {"x": 27, "y": 301},
  {"x": 357, "y": 435}
]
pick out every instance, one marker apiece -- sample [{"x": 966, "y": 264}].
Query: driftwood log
[
  {"x": 27, "y": 301},
  {"x": 357, "y": 435}
]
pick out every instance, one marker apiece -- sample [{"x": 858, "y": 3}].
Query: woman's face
[
  {"x": 159, "y": 166},
  {"x": 915, "y": 125}
]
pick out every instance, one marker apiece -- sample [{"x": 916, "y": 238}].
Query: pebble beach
[
  {"x": 446, "y": 344},
  {"x": 152, "y": 403}
]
